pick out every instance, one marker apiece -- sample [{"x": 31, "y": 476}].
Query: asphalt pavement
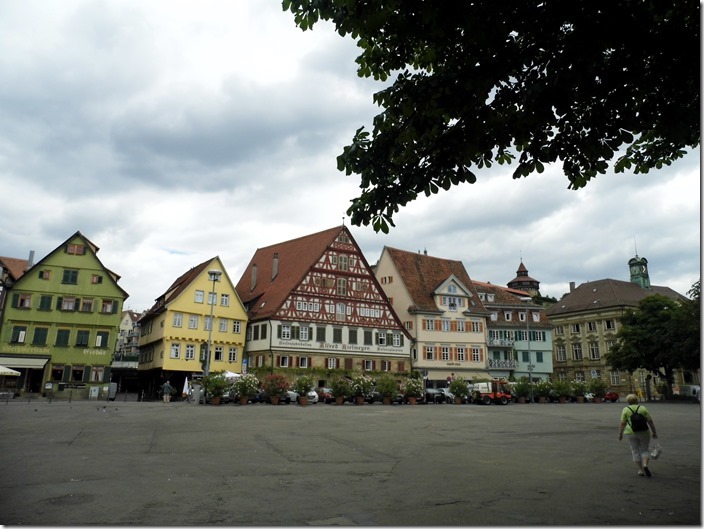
[{"x": 155, "y": 464}]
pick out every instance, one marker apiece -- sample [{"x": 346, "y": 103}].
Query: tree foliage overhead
[
  {"x": 660, "y": 335},
  {"x": 535, "y": 82}
]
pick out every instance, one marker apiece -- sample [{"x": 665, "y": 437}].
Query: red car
[
  {"x": 612, "y": 396},
  {"x": 325, "y": 395}
]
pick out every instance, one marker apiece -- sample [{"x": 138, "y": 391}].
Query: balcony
[
  {"x": 502, "y": 364},
  {"x": 498, "y": 342}
]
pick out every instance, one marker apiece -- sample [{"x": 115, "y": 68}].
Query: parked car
[
  {"x": 612, "y": 396},
  {"x": 434, "y": 396},
  {"x": 589, "y": 397},
  {"x": 325, "y": 395},
  {"x": 449, "y": 396},
  {"x": 313, "y": 397},
  {"x": 287, "y": 398}
]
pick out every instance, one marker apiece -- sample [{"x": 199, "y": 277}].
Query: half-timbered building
[{"x": 314, "y": 304}]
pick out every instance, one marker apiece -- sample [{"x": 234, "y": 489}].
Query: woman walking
[{"x": 635, "y": 421}]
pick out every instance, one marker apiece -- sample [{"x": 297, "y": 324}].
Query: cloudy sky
[{"x": 172, "y": 131}]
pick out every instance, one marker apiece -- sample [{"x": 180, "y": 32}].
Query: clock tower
[{"x": 638, "y": 267}]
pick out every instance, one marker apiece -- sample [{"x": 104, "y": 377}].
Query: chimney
[
  {"x": 275, "y": 266},
  {"x": 571, "y": 286},
  {"x": 30, "y": 261},
  {"x": 254, "y": 277}
]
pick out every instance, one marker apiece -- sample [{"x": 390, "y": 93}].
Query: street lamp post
[
  {"x": 214, "y": 276},
  {"x": 530, "y": 364}
]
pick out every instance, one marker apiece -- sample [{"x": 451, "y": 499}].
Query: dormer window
[
  {"x": 507, "y": 315},
  {"x": 490, "y": 298}
]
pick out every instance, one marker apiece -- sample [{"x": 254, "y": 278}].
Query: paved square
[{"x": 149, "y": 463}]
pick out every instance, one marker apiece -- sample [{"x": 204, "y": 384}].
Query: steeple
[
  {"x": 523, "y": 281},
  {"x": 638, "y": 267}
]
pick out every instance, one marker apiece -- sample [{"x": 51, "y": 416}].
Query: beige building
[
  {"x": 585, "y": 322},
  {"x": 441, "y": 309}
]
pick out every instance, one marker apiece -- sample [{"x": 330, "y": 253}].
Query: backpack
[{"x": 638, "y": 421}]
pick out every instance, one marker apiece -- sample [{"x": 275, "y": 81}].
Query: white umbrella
[
  {"x": 9, "y": 372},
  {"x": 186, "y": 388},
  {"x": 230, "y": 374}
]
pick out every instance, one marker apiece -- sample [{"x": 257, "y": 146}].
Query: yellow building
[{"x": 199, "y": 309}]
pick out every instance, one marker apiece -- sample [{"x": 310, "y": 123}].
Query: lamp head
[{"x": 214, "y": 275}]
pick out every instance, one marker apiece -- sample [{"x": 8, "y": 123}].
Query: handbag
[{"x": 655, "y": 449}]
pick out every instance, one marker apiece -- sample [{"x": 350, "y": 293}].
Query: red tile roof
[
  {"x": 422, "y": 274},
  {"x": 295, "y": 258},
  {"x": 15, "y": 267}
]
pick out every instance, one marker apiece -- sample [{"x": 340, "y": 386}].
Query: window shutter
[
  {"x": 310, "y": 362},
  {"x": 425, "y": 352},
  {"x": 86, "y": 374},
  {"x": 77, "y": 304},
  {"x": 59, "y": 302},
  {"x": 278, "y": 331},
  {"x": 106, "y": 374},
  {"x": 15, "y": 300},
  {"x": 298, "y": 361},
  {"x": 437, "y": 325},
  {"x": 401, "y": 335},
  {"x": 67, "y": 374},
  {"x": 114, "y": 306},
  {"x": 373, "y": 365},
  {"x": 376, "y": 338}
]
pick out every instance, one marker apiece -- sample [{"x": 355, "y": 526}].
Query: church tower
[
  {"x": 639, "y": 272},
  {"x": 524, "y": 282}
]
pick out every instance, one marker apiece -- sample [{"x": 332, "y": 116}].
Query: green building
[{"x": 60, "y": 324}]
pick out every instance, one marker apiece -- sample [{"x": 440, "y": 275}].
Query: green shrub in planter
[
  {"x": 275, "y": 385},
  {"x": 522, "y": 388},
  {"x": 413, "y": 387},
  {"x": 303, "y": 385},
  {"x": 580, "y": 388},
  {"x": 543, "y": 388},
  {"x": 362, "y": 385},
  {"x": 215, "y": 384},
  {"x": 597, "y": 387},
  {"x": 247, "y": 385},
  {"x": 387, "y": 386},
  {"x": 341, "y": 387},
  {"x": 563, "y": 388},
  {"x": 459, "y": 388}
]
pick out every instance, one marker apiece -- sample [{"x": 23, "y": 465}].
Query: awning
[
  {"x": 32, "y": 363},
  {"x": 6, "y": 371}
]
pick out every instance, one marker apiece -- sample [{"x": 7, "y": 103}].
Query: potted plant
[
  {"x": 460, "y": 389},
  {"x": 580, "y": 388},
  {"x": 303, "y": 385},
  {"x": 386, "y": 385},
  {"x": 563, "y": 389},
  {"x": 246, "y": 386},
  {"x": 215, "y": 384},
  {"x": 413, "y": 389},
  {"x": 275, "y": 385},
  {"x": 598, "y": 389},
  {"x": 341, "y": 389},
  {"x": 361, "y": 387},
  {"x": 522, "y": 390},
  {"x": 542, "y": 390}
]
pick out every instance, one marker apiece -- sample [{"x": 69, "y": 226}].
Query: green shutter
[
  {"x": 106, "y": 374},
  {"x": 15, "y": 300},
  {"x": 77, "y": 304},
  {"x": 278, "y": 331},
  {"x": 86, "y": 374},
  {"x": 59, "y": 302},
  {"x": 67, "y": 373},
  {"x": 115, "y": 303}
]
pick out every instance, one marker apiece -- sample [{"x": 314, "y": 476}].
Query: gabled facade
[
  {"x": 176, "y": 331},
  {"x": 441, "y": 309},
  {"x": 60, "y": 323},
  {"x": 314, "y": 304},
  {"x": 519, "y": 334},
  {"x": 585, "y": 322}
]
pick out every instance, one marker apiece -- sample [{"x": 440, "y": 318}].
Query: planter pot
[
  {"x": 359, "y": 400},
  {"x": 303, "y": 401},
  {"x": 563, "y": 400},
  {"x": 542, "y": 400},
  {"x": 458, "y": 400},
  {"x": 387, "y": 401},
  {"x": 274, "y": 399},
  {"x": 339, "y": 401},
  {"x": 580, "y": 399},
  {"x": 244, "y": 401},
  {"x": 521, "y": 400},
  {"x": 598, "y": 399},
  {"x": 215, "y": 401},
  {"x": 411, "y": 400}
]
